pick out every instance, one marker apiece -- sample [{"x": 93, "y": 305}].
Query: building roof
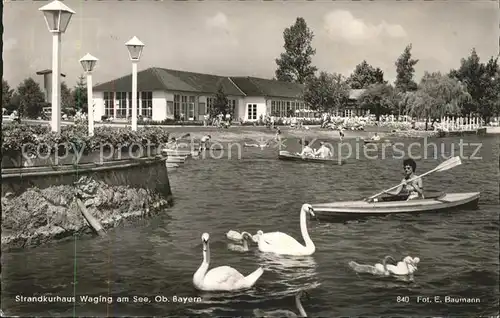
[
  {"x": 155, "y": 78},
  {"x": 253, "y": 86},
  {"x": 47, "y": 71}
]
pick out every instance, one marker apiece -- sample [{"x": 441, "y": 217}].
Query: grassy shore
[{"x": 241, "y": 133}]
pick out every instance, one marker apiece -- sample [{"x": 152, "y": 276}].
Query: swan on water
[
  {"x": 407, "y": 267},
  {"x": 222, "y": 278},
  {"x": 378, "y": 269},
  {"x": 285, "y": 313},
  {"x": 283, "y": 244},
  {"x": 244, "y": 246},
  {"x": 238, "y": 237}
]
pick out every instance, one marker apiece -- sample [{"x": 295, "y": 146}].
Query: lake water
[{"x": 459, "y": 250}]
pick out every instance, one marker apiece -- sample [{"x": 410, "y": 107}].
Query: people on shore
[
  {"x": 414, "y": 188},
  {"x": 341, "y": 134},
  {"x": 323, "y": 152},
  {"x": 375, "y": 137},
  {"x": 204, "y": 142},
  {"x": 307, "y": 151}
]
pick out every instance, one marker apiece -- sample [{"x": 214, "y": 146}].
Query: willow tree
[{"x": 437, "y": 95}]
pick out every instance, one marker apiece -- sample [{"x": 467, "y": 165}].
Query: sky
[{"x": 243, "y": 38}]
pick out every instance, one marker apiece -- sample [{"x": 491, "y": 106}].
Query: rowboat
[
  {"x": 178, "y": 152},
  {"x": 176, "y": 159},
  {"x": 392, "y": 205},
  {"x": 172, "y": 165},
  {"x": 285, "y": 155},
  {"x": 380, "y": 141}
]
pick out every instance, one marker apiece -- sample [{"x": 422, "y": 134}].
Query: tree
[
  {"x": 405, "y": 69},
  {"x": 7, "y": 94},
  {"x": 295, "y": 64},
  {"x": 481, "y": 82},
  {"x": 489, "y": 102},
  {"x": 80, "y": 95},
  {"x": 326, "y": 93},
  {"x": 437, "y": 96},
  {"x": 380, "y": 99},
  {"x": 220, "y": 104},
  {"x": 67, "y": 101},
  {"x": 365, "y": 75},
  {"x": 31, "y": 98}
]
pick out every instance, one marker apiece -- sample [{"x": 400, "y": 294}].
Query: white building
[{"x": 170, "y": 94}]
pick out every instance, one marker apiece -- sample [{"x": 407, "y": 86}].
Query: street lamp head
[
  {"x": 88, "y": 62},
  {"x": 134, "y": 47},
  {"x": 57, "y": 16}
]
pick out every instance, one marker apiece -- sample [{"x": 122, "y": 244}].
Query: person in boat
[
  {"x": 172, "y": 144},
  {"x": 375, "y": 137},
  {"x": 307, "y": 151},
  {"x": 415, "y": 188},
  {"x": 204, "y": 142},
  {"x": 323, "y": 152}
]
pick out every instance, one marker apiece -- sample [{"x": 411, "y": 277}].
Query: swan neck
[
  {"x": 301, "y": 310},
  {"x": 303, "y": 229},
  {"x": 202, "y": 270},
  {"x": 206, "y": 255}
]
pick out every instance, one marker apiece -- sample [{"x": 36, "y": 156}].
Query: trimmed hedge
[{"x": 39, "y": 138}]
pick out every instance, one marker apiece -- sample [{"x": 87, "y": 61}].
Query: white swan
[
  {"x": 238, "y": 237},
  {"x": 222, "y": 278},
  {"x": 244, "y": 246},
  {"x": 407, "y": 267},
  {"x": 285, "y": 313},
  {"x": 283, "y": 244},
  {"x": 378, "y": 269}
]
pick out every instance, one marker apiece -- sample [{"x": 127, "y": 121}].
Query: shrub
[{"x": 38, "y": 138}]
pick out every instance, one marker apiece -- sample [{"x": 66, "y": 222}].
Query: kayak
[
  {"x": 391, "y": 205},
  {"x": 285, "y": 155}
]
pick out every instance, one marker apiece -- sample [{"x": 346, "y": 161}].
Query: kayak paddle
[{"x": 448, "y": 164}]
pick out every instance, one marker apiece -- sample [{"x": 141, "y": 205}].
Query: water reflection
[{"x": 292, "y": 273}]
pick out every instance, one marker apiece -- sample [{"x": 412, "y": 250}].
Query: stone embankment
[{"x": 38, "y": 216}]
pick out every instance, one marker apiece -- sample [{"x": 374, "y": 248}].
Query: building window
[
  {"x": 177, "y": 106},
  {"x": 252, "y": 111},
  {"x": 210, "y": 104},
  {"x": 109, "y": 104},
  {"x": 121, "y": 111},
  {"x": 147, "y": 104},
  {"x": 184, "y": 107},
  {"x": 190, "y": 111}
]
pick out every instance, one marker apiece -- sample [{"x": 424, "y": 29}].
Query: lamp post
[
  {"x": 88, "y": 63},
  {"x": 57, "y": 16},
  {"x": 134, "y": 47}
]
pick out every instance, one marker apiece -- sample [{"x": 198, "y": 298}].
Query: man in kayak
[
  {"x": 415, "y": 188},
  {"x": 204, "y": 142},
  {"x": 307, "y": 150},
  {"x": 323, "y": 152}
]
